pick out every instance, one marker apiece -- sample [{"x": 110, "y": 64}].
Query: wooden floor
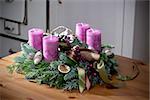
[{"x": 15, "y": 87}]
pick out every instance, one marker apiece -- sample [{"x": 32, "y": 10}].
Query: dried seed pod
[
  {"x": 64, "y": 68},
  {"x": 37, "y": 57},
  {"x": 31, "y": 56}
]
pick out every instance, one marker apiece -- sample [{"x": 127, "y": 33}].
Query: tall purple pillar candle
[
  {"x": 50, "y": 48},
  {"x": 35, "y": 36},
  {"x": 93, "y": 41},
  {"x": 81, "y": 31}
]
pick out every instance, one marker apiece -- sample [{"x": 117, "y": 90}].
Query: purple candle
[
  {"x": 35, "y": 36},
  {"x": 81, "y": 31},
  {"x": 50, "y": 48},
  {"x": 93, "y": 37}
]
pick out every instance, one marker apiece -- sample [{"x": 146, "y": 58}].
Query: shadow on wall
[{"x": 141, "y": 31}]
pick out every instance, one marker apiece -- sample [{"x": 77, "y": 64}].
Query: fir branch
[
  {"x": 20, "y": 59},
  {"x": 31, "y": 75},
  {"x": 51, "y": 83},
  {"x": 123, "y": 77},
  {"x": 65, "y": 59},
  {"x": 11, "y": 68},
  {"x": 14, "y": 67},
  {"x": 27, "y": 49},
  {"x": 42, "y": 64},
  {"x": 72, "y": 84},
  {"x": 54, "y": 65},
  {"x": 71, "y": 75},
  {"x": 59, "y": 83}
]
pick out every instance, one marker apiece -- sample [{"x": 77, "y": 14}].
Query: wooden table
[{"x": 15, "y": 87}]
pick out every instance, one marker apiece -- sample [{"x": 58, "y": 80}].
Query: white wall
[
  {"x": 0, "y": 8},
  {"x": 106, "y": 15},
  {"x": 36, "y": 18},
  {"x": 114, "y": 17},
  {"x": 7, "y": 44},
  {"x": 128, "y": 28},
  {"x": 141, "y": 32},
  {"x": 0, "y": 15}
]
